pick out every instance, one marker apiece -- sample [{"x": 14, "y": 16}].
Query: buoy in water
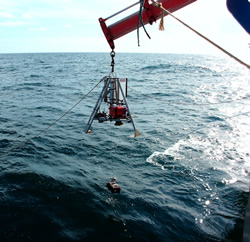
[{"x": 113, "y": 186}]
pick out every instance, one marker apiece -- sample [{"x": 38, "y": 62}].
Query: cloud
[
  {"x": 6, "y": 15},
  {"x": 41, "y": 29},
  {"x": 38, "y": 14},
  {"x": 13, "y": 23},
  {"x": 68, "y": 26}
]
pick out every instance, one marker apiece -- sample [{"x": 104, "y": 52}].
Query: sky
[{"x": 72, "y": 26}]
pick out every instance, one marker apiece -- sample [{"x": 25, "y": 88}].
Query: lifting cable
[
  {"x": 52, "y": 124},
  {"x": 159, "y": 5},
  {"x": 140, "y": 21},
  {"x": 200, "y": 104},
  {"x": 226, "y": 118},
  {"x": 190, "y": 104}
]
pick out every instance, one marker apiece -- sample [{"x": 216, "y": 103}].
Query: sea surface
[{"x": 186, "y": 178}]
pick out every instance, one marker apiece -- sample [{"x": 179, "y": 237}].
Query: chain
[{"x": 112, "y": 54}]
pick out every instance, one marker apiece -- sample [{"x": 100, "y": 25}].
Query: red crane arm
[{"x": 149, "y": 15}]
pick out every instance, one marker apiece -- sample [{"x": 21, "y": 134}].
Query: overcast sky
[{"x": 72, "y": 26}]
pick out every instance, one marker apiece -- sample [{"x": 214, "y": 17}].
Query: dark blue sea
[{"x": 186, "y": 178}]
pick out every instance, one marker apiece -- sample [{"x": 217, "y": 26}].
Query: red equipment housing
[
  {"x": 149, "y": 15},
  {"x": 118, "y": 111}
]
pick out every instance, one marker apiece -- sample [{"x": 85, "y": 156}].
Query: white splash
[{"x": 172, "y": 151}]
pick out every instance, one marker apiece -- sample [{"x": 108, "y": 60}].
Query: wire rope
[
  {"x": 190, "y": 104},
  {"x": 159, "y": 5},
  {"x": 52, "y": 124},
  {"x": 225, "y": 117},
  {"x": 140, "y": 20}
]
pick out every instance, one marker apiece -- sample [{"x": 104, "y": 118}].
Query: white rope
[{"x": 159, "y": 5}]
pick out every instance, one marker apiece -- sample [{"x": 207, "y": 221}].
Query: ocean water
[{"x": 186, "y": 178}]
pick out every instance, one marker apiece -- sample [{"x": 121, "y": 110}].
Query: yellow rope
[
  {"x": 161, "y": 26},
  {"x": 159, "y": 5}
]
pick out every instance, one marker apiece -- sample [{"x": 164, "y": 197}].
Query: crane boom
[{"x": 150, "y": 14}]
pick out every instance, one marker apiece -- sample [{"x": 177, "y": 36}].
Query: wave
[{"x": 172, "y": 153}]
